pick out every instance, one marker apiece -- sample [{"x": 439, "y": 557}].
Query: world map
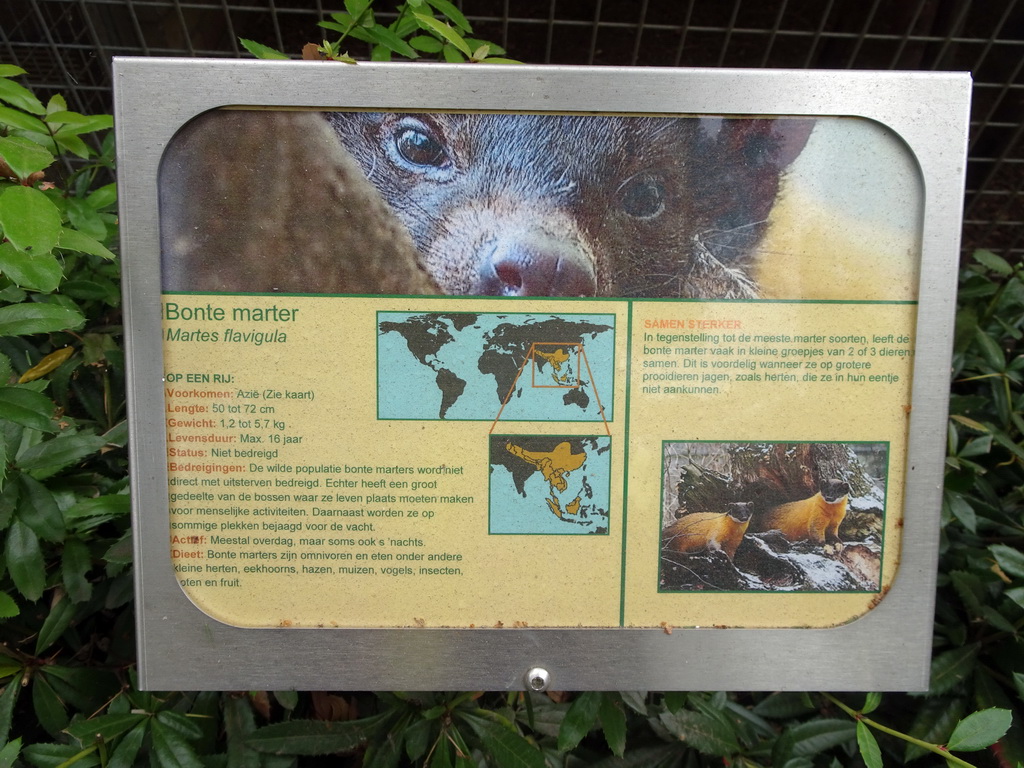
[
  {"x": 549, "y": 484},
  {"x": 484, "y": 366}
]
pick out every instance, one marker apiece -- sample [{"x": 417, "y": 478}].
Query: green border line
[
  {"x": 885, "y": 521},
  {"x": 558, "y": 300},
  {"x": 625, "y": 464}
]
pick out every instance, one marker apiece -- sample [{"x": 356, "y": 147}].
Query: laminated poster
[{"x": 510, "y": 370}]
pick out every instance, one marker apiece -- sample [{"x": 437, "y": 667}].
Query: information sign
[{"x": 493, "y": 377}]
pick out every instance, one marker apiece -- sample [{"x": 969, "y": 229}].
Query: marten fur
[
  {"x": 709, "y": 531},
  {"x": 558, "y": 205},
  {"x": 816, "y": 519}
]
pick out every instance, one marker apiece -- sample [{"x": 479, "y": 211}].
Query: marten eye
[
  {"x": 642, "y": 197},
  {"x": 416, "y": 147}
]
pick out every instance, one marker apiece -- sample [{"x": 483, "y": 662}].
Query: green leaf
[
  {"x": 70, "y": 142},
  {"x": 1010, "y": 560},
  {"x": 810, "y": 738},
  {"x": 59, "y": 756},
  {"x": 20, "y": 97},
  {"x": 106, "y": 727},
  {"x": 24, "y": 122},
  {"x": 27, "y": 408},
  {"x": 88, "y": 222},
  {"x": 238, "y": 723},
  {"x": 426, "y": 43},
  {"x": 701, "y": 732},
  {"x": 869, "y": 750},
  {"x": 180, "y": 724},
  {"x": 8, "y": 607},
  {"x": 501, "y": 60},
  {"x": 452, "y": 55},
  {"x": 30, "y": 220},
  {"x": 505, "y": 746},
  {"x": 871, "y": 703},
  {"x": 25, "y": 560},
  {"x": 496, "y": 49},
  {"x": 579, "y": 720},
  {"x": 38, "y": 509},
  {"x": 950, "y": 668},
  {"x": 24, "y": 157},
  {"x": 61, "y": 614},
  {"x": 75, "y": 563},
  {"x": 990, "y": 350},
  {"x": 660, "y": 756},
  {"x": 635, "y": 700},
  {"x": 784, "y": 706},
  {"x": 25, "y": 319},
  {"x": 128, "y": 747},
  {"x": 170, "y": 748},
  {"x": 261, "y": 51},
  {"x": 10, "y": 70},
  {"x": 49, "y": 709},
  {"x": 962, "y": 511},
  {"x": 431, "y": 24},
  {"x": 613, "y": 724},
  {"x": 112, "y": 505},
  {"x": 8, "y": 698},
  {"x": 60, "y": 452},
  {"x": 35, "y": 271},
  {"x": 980, "y": 730},
  {"x": 979, "y": 446},
  {"x": 933, "y": 722},
  {"x": 992, "y": 261},
  {"x": 80, "y": 123},
  {"x": 104, "y": 197},
  {"x": 287, "y": 699},
  {"x": 356, "y": 8},
  {"x": 309, "y": 737},
  {"x": 391, "y": 41},
  {"x": 452, "y": 13},
  {"x": 9, "y": 753}
]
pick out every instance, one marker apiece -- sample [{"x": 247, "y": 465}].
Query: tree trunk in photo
[{"x": 269, "y": 201}]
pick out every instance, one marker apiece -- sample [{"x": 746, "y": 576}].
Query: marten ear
[
  {"x": 790, "y": 135},
  {"x": 759, "y": 142}
]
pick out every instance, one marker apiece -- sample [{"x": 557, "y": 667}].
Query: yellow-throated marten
[
  {"x": 579, "y": 205},
  {"x": 815, "y": 519},
  {"x": 698, "y": 531}
]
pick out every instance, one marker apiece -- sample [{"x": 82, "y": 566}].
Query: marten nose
[{"x": 537, "y": 265}]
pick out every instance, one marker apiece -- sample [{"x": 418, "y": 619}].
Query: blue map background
[
  {"x": 518, "y": 492},
  {"x": 460, "y": 366}
]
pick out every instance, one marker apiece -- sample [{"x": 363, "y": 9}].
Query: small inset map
[
  {"x": 491, "y": 366},
  {"x": 549, "y": 484}
]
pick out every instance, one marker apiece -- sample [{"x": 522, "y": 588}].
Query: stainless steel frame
[{"x": 887, "y": 649}]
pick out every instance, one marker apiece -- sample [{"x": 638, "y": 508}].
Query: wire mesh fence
[{"x": 67, "y": 45}]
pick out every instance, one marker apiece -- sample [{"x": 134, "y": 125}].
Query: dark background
[{"x": 66, "y": 46}]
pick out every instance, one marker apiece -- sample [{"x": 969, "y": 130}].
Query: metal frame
[{"x": 887, "y": 649}]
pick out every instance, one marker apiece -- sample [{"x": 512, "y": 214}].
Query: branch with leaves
[{"x": 434, "y": 28}]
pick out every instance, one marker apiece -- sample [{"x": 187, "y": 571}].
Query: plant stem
[{"x": 938, "y": 750}]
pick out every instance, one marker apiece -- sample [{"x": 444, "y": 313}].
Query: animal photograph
[
  {"x": 772, "y": 517},
  {"x": 521, "y": 205}
]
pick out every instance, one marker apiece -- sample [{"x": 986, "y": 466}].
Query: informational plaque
[{"x": 504, "y": 377}]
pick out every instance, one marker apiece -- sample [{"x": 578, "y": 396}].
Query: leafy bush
[
  {"x": 416, "y": 31},
  {"x": 67, "y": 656}
]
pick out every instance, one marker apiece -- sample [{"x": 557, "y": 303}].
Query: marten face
[
  {"x": 555, "y": 205},
  {"x": 740, "y": 511},
  {"x": 832, "y": 490}
]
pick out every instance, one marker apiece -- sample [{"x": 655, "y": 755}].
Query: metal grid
[{"x": 66, "y": 46}]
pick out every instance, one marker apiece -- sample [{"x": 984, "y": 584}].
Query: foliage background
[{"x": 67, "y": 655}]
